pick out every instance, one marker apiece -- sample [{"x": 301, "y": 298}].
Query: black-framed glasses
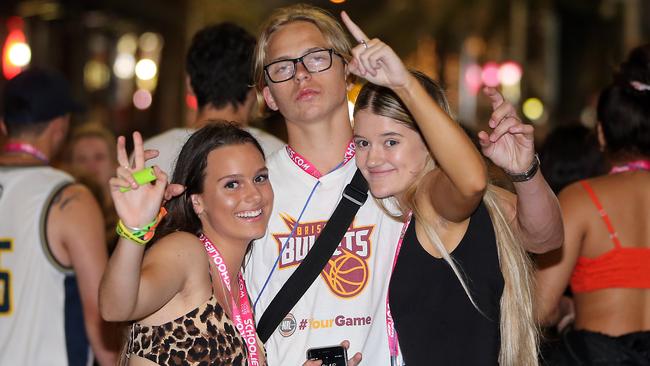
[{"x": 314, "y": 61}]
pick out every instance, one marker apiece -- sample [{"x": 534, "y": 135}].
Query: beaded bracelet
[{"x": 140, "y": 236}]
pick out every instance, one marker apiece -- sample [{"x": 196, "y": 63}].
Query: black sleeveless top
[{"x": 436, "y": 322}]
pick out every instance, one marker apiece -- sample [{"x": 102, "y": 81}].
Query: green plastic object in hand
[{"x": 141, "y": 177}]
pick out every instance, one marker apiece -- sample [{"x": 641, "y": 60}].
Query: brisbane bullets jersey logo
[{"x": 346, "y": 273}]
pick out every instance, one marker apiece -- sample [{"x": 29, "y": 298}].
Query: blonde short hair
[{"x": 323, "y": 20}]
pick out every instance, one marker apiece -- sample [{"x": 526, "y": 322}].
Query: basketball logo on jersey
[{"x": 346, "y": 273}]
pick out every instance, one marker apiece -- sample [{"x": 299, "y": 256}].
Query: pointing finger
[
  {"x": 495, "y": 97},
  {"x": 354, "y": 29}
]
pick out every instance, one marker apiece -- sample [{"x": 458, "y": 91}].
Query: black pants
[{"x": 581, "y": 347}]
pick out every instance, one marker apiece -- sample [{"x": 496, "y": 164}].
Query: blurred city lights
[
  {"x": 511, "y": 92},
  {"x": 510, "y": 73},
  {"x": 533, "y": 109},
  {"x": 337, "y": 1},
  {"x": 490, "y": 74},
  {"x": 150, "y": 42},
  {"x": 128, "y": 43},
  {"x": 96, "y": 75},
  {"x": 142, "y": 99},
  {"x": 149, "y": 84},
  {"x": 20, "y": 54},
  {"x": 190, "y": 101},
  {"x": 473, "y": 78},
  {"x": 124, "y": 66},
  {"x": 16, "y": 53},
  {"x": 146, "y": 69}
]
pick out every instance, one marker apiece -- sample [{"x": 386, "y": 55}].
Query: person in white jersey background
[
  {"x": 51, "y": 236},
  {"x": 218, "y": 67},
  {"x": 301, "y": 69}
]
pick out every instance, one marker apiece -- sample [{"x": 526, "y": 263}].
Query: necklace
[{"x": 25, "y": 148}]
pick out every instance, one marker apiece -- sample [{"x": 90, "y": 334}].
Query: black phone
[{"x": 331, "y": 356}]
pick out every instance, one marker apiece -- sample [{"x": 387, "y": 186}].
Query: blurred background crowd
[{"x": 125, "y": 59}]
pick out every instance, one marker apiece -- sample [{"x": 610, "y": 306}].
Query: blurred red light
[{"x": 490, "y": 74}]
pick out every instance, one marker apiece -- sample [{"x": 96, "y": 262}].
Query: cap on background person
[{"x": 37, "y": 95}]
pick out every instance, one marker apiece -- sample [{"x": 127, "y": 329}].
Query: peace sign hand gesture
[
  {"x": 140, "y": 204},
  {"x": 374, "y": 60},
  {"x": 511, "y": 144}
]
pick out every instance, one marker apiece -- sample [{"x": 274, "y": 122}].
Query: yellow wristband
[{"x": 140, "y": 236}]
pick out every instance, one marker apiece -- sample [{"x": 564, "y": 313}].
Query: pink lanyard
[
  {"x": 305, "y": 165},
  {"x": 393, "y": 343},
  {"x": 27, "y": 149},
  {"x": 633, "y": 165},
  {"x": 242, "y": 315}
]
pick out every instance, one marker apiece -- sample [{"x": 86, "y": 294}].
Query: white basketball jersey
[
  {"x": 348, "y": 299},
  {"x": 170, "y": 143},
  {"x": 32, "y": 293}
]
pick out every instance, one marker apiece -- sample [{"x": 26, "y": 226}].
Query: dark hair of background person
[
  {"x": 624, "y": 110},
  {"x": 190, "y": 172},
  {"x": 570, "y": 153},
  {"x": 219, "y": 65}
]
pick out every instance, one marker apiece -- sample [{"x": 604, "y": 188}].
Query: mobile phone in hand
[{"x": 331, "y": 356}]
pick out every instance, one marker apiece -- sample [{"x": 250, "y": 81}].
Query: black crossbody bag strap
[{"x": 354, "y": 196}]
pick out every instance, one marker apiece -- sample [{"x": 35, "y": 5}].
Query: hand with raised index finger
[
  {"x": 374, "y": 60},
  {"x": 138, "y": 206},
  {"x": 510, "y": 145}
]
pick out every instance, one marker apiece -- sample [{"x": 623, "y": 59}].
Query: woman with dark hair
[
  {"x": 186, "y": 293},
  {"x": 570, "y": 153},
  {"x": 606, "y": 254}
]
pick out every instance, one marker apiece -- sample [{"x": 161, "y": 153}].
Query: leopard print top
[{"x": 204, "y": 336}]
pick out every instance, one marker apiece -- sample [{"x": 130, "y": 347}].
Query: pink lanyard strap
[
  {"x": 305, "y": 165},
  {"x": 633, "y": 165},
  {"x": 26, "y": 148},
  {"x": 393, "y": 343},
  {"x": 242, "y": 315}
]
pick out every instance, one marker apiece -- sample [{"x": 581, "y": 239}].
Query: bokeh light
[
  {"x": 510, "y": 73},
  {"x": 146, "y": 69},
  {"x": 128, "y": 43},
  {"x": 124, "y": 66},
  {"x": 190, "y": 101},
  {"x": 533, "y": 109},
  {"x": 96, "y": 75},
  {"x": 142, "y": 99},
  {"x": 20, "y": 54},
  {"x": 473, "y": 78},
  {"x": 150, "y": 42},
  {"x": 490, "y": 74}
]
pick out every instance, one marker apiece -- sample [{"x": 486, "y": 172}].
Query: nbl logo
[
  {"x": 346, "y": 273},
  {"x": 287, "y": 325}
]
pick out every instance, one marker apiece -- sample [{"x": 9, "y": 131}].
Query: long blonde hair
[{"x": 519, "y": 333}]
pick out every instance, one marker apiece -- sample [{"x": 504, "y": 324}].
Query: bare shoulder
[
  {"x": 572, "y": 196},
  {"x": 180, "y": 247},
  {"x": 75, "y": 196}
]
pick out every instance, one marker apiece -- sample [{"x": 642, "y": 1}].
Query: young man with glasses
[{"x": 301, "y": 69}]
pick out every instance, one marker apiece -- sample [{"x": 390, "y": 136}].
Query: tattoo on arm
[
  {"x": 57, "y": 198},
  {"x": 67, "y": 200}
]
